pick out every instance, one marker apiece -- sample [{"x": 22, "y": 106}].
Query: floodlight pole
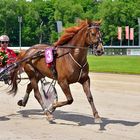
[
  {"x": 20, "y": 21},
  {"x": 40, "y": 40}
]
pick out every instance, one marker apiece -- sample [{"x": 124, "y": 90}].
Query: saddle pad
[{"x": 49, "y": 55}]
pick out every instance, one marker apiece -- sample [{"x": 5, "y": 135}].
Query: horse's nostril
[{"x": 98, "y": 51}]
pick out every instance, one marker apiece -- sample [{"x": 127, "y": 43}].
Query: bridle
[{"x": 99, "y": 38}]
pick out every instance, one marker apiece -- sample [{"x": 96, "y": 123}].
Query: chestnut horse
[{"x": 71, "y": 65}]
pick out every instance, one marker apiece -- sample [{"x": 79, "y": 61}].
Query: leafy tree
[
  {"x": 7, "y": 18},
  {"x": 67, "y": 11},
  {"x": 40, "y": 16},
  {"x": 116, "y": 13}
]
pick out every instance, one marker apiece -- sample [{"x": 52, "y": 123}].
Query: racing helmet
[{"x": 4, "y": 38}]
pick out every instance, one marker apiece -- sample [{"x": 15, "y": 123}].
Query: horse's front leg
[
  {"x": 66, "y": 89},
  {"x": 86, "y": 87}
]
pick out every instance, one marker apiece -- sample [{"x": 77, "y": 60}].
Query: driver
[{"x": 7, "y": 56}]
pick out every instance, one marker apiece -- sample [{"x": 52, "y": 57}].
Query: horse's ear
[
  {"x": 89, "y": 22},
  {"x": 97, "y": 22},
  {"x": 78, "y": 20},
  {"x": 100, "y": 21},
  {"x": 86, "y": 21},
  {"x": 82, "y": 22}
]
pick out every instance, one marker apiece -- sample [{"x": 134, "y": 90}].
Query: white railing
[
  {"x": 119, "y": 47},
  {"x": 109, "y": 50},
  {"x": 122, "y": 47},
  {"x": 20, "y": 48}
]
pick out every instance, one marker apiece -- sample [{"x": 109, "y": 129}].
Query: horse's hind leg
[
  {"x": 37, "y": 95},
  {"x": 86, "y": 87},
  {"x": 24, "y": 101}
]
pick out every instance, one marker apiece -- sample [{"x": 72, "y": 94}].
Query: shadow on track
[{"x": 80, "y": 119}]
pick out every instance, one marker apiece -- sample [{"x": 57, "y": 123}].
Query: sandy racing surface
[{"x": 117, "y": 99}]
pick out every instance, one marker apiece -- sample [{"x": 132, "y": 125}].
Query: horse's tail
[
  {"x": 14, "y": 74},
  {"x": 14, "y": 83}
]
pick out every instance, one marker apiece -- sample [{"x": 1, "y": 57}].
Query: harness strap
[
  {"x": 82, "y": 70},
  {"x": 72, "y": 47},
  {"x": 81, "y": 67}
]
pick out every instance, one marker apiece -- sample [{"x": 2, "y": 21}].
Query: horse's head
[
  {"x": 86, "y": 32},
  {"x": 94, "y": 38}
]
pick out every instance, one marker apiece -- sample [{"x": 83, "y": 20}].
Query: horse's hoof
[
  {"x": 20, "y": 103},
  {"x": 51, "y": 109},
  {"x": 98, "y": 120},
  {"x": 50, "y": 118}
]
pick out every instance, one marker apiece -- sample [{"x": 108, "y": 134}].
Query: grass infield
[{"x": 114, "y": 64}]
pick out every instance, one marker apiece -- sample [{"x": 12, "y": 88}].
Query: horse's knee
[{"x": 70, "y": 101}]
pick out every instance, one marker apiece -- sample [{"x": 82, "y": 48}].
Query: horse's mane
[{"x": 70, "y": 32}]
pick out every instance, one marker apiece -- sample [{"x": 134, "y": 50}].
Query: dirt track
[{"x": 117, "y": 98}]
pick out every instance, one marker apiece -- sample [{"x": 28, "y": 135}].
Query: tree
[
  {"x": 40, "y": 16},
  {"x": 67, "y": 11},
  {"x": 117, "y": 13}
]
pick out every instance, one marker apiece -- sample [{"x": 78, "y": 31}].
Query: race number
[{"x": 49, "y": 55}]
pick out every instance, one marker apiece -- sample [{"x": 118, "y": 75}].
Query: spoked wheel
[{"x": 48, "y": 93}]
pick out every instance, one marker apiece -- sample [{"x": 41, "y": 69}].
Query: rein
[
  {"x": 72, "y": 47},
  {"x": 15, "y": 65}
]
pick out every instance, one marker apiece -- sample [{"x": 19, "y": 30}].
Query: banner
[
  {"x": 119, "y": 33},
  {"x": 131, "y": 33},
  {"x": 59, "y": 26},
  {"x": 127, "y": 32}
]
